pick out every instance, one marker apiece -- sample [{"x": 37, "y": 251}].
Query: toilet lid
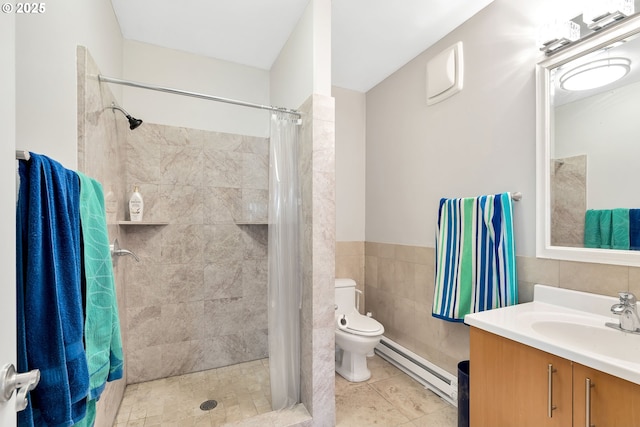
[{"x": 362, "y": 323}]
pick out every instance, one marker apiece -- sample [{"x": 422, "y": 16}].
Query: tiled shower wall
[
  {"x": 568, "y": 200},
  {"x": 317, "y": 324},
  {"x": 198, "y": 297},
  {"x": 100, "y": 156}
]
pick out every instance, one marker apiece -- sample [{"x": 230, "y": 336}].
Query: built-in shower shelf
[
  {"x": 157, "y": 223},
  {"x": 251, "y": 223}
]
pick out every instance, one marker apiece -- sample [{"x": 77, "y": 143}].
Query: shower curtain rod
[{"x": 195, "y": 95}]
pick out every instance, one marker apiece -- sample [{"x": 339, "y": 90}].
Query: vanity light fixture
[
  {"x": 597, "y": 14},
  {"x": 600, "y": 72},
  {"x": 556, "y": 34}
]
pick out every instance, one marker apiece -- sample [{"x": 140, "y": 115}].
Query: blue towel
[
  {"x": 25, "y": 417},
  {"x": 475, "y": 256},
  {"x": 52, "y": 302},
  {"x": 634, "y": 229},
  {"x": 102, "y": 326}
]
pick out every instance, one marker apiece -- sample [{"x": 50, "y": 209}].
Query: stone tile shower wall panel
[
  {"x": 316, "y": 165},
  {"x": 568, "y": 200},
  {"x": 197, "y": 300},
  {"x": 100, "y": 155}
]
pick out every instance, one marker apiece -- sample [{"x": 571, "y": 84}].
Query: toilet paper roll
[{"x": 342, "y": 322}]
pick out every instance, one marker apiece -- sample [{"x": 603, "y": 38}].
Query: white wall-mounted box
[{"x": 444, "y": 74}]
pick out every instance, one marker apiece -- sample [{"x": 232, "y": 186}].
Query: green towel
[
  {"x": 605, "y": 228},
  {"x": 102, "y": 327},
  {"x": 620, "y": 229},
  {"x": 592, "y": 237}
]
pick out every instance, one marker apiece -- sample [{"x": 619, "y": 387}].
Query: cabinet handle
[
  {"x": 550, "y": 406},
  {"x": 587, "y": 400}
]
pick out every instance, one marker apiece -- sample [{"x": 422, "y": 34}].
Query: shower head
[{"x": 133, "y": 122}]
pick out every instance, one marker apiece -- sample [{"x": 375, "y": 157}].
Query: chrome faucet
[
  {"x": 627, "y": 309},
  {"x": 116, "y": 251}
]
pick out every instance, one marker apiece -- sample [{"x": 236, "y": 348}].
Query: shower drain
[{"x": 208, "y": 405}]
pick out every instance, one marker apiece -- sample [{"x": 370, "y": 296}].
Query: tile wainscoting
[{"x": 398, "y": 283}]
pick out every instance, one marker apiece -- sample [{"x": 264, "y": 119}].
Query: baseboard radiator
[{"x": 426, "y": 373}]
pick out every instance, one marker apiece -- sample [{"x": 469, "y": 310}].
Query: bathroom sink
[
  {"x": 586, "y": 336},
  {"x": 569, "y": 324}
]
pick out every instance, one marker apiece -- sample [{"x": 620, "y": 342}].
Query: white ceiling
[{"x": 370, "y": 38}]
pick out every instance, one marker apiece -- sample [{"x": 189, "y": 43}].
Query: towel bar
[{"x": 22, "y": 155}]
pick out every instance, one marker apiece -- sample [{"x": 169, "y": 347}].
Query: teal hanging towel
[
  {"x": 475, "y": 256},
  {"x": 102, "y": 327}
]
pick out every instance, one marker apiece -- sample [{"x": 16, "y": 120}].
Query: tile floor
[
  {"x": 388, "y": 399},
  {"x": 241, "y": 391}
]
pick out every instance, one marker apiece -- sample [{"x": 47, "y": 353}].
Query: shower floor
[{"x": 241, "y": 390}]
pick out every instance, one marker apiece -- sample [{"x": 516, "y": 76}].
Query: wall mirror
[{"x": 588, "y": 149}]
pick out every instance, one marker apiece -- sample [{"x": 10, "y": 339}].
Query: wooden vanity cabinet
[
  {"x": 509, "y": 384},
  {"x": 614, "y": 401},
  {"x": 509, "y": 387}
]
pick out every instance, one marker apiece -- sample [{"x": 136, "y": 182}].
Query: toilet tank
[{"x": 345, "y": 295}]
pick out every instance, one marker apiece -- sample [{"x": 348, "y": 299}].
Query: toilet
[{"x": 356, "y": 335}]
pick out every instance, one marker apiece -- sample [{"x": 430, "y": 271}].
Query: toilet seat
[{"x": 362, "y": 325}]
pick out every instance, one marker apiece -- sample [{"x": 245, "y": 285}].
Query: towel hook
[{"x": 116, "y": 251}]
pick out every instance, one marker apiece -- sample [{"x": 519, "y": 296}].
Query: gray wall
[
  {"x": 46, "y": 104},
  {"x": 480, "y": 141},
  {"x": 350, "y": 164}
]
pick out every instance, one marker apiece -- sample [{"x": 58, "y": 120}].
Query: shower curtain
[{"x": 285, "y": 270}]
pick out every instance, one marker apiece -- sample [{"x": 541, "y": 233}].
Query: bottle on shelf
[{"x": 136, "y": 205}]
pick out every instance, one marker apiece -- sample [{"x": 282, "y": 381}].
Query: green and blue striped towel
[{"x": 475, "y": 256}]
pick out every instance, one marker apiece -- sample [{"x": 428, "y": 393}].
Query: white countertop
[{"x": 569, "y": 324}]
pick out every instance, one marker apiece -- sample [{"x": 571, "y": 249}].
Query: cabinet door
[
  {"x": 614, "y": 401},
  {"x": 509, "y": 384}
]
